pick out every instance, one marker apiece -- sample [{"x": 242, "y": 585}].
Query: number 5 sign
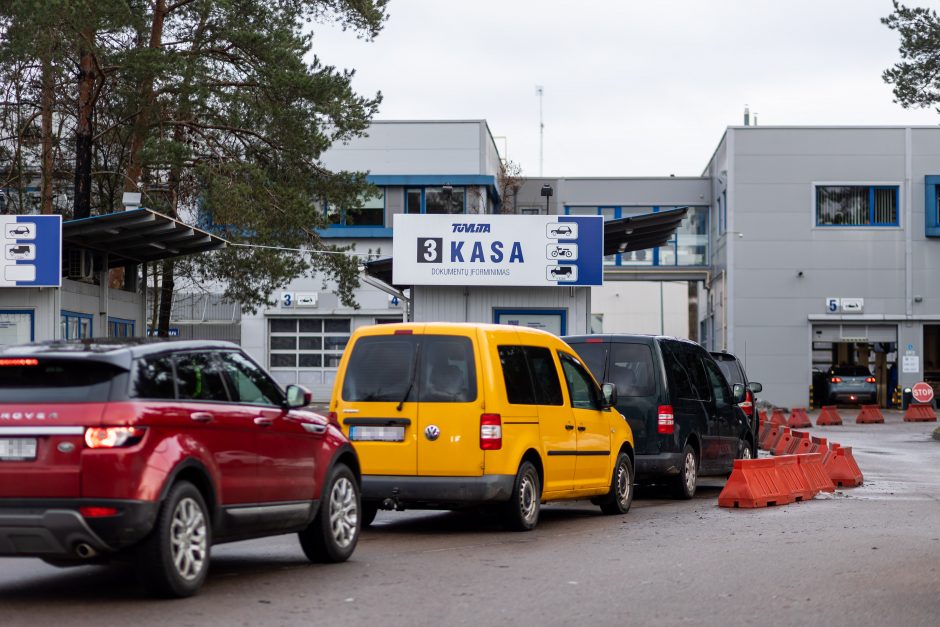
[{"x": 832, "y": 305}]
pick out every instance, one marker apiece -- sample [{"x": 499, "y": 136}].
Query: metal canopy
[
  {"x": 137, "y": 236},
  {"x": 620, "y": 236}
]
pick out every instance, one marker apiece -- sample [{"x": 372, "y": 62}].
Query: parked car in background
[
  {"x": 850, "y": 384},
  {"x": 153, "y": 452},
  {"x": 445, "y": 416},
  {"x": 734, "y": 372},
  {"x": 684, "y": 414}
]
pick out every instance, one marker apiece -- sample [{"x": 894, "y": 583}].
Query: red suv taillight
[
  {"x": 113, "y": 437},
  {"x": 491, "y": 432},
  {"x": 666, "y": 422},
  {"x": 836, "y": 380},
  {"x": 333, "y": 418},
  {"x": 870, "y": 380}
]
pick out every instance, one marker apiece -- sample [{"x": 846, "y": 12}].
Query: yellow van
[{"x": 447, "y": 415}]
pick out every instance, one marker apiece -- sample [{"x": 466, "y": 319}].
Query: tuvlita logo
[
  {"x": 470, "y": 228},
  {"x": 28, "y": 415}
]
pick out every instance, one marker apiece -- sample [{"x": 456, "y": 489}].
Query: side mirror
[
  {"x": 739, "y": 392},
  {"x": 755, "y": 387},
  {"x": 610, "y": 394},
  {"x": 298, "y": 396}
]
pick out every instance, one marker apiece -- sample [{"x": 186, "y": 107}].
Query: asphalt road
[{"x": 865, "y": 556}]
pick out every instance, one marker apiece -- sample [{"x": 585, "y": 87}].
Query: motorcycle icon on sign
[{"x": 562, "y": 251}]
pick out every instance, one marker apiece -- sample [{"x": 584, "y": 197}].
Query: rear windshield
[
  {"x": 850, "y": 371},
  {"x": 56, "y": 381},
  {"x": 729, "y": 368},
  {"x": 631, "y": 369},
  {"x": 426, "y": 368}
]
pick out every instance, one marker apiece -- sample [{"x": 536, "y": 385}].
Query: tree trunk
[
  {"x": 87, "y": 76},
  {"x": 46, "y": 100},
  {"x": 147, "y": 96},
  {"x": 166, "y": 299}
]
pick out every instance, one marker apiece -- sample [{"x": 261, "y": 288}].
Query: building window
[
  {"x": 76, "y": 325},
  {"x": 16, "y": 327},
  {"x": 932, "y": 207},
  {"x": 307, "y": 343},
  {"x": 119, "y": 327},
  {"x": 369, "y": 212},
  {"x": 436, "y": 200},
  {"x": 856, "y": 205}
]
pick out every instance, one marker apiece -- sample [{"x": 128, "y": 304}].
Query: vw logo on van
[{"x": 432, "y": 432}]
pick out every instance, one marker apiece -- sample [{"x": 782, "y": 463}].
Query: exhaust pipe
[{"x": 85, "y": 551}]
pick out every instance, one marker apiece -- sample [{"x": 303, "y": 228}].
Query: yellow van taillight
[{"x": 491, "y": 432}]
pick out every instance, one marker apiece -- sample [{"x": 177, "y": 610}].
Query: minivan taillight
[
  {"x": 748, "y": 405},
  {"x": 666, "y": 421},
  {"x": 870, "y": 380},
  {"x": 491, "y": 432},
  {"x": 836, "y": 380}
]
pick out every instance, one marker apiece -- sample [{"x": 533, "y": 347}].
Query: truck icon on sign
[{"x": 22, "y": 251}]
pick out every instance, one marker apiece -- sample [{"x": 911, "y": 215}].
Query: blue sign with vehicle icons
[
  {"x": 31, "y": 251},
  {"x": 508, "y": 250}
]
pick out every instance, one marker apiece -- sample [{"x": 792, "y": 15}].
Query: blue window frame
[
  {"x": 10, "y": 317},
  {"x": 76, "y": 325},
  {"x": 536, "y": 318},
  {"x": 932, "y": 206},
  {"x": 120, "y": 327},
  {"x": 369, "y": 213},
  {"x": 857, "y": 205},
  {"x": 435, "y": 200}
]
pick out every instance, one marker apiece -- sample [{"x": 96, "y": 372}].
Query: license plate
[
  {"x": 17, "y": 449},
  {"x": 377, "y": 434}
]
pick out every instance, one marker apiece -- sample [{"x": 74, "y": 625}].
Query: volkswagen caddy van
[{"x": 450, "y": 415}]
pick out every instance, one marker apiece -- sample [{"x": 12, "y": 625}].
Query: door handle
[
  {"x": 569, "y": 427},
  {"x": 582, "y": 428},
  {"x": 201, "y": 416},
  {"x": 261, "y": 421}
]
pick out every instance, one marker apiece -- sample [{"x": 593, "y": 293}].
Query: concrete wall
[
  {"x": 633, "y": 307},
  {"x": 36, "y": 300}
]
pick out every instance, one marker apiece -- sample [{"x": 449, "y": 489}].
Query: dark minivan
[{"x": 684, "y": 415}]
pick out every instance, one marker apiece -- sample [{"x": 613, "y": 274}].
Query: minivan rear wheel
[
  {"x": 620, "y": 497},
  {"x": 684, "y": 486},
  {"x": 521, "y": 513}
]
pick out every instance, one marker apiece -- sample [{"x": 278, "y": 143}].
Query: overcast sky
[{"x": 631, "y": 88}]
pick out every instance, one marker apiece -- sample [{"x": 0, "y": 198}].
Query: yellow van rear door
[
  {"x": 375, "y": 402},
  {"x": 449, "y": 390}
]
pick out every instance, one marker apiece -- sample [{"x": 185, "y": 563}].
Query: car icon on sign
[
  {"x": 23, "y": 251},
  {"x": 561, "y": 230},
  {"x": 20, "y": 230},
  {"x": 562, "y": 271}
]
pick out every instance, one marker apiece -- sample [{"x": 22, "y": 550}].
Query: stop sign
[{"x": 922, "y": 392}]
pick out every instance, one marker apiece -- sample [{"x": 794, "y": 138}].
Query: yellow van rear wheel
[{"x": 521, "y": 513}]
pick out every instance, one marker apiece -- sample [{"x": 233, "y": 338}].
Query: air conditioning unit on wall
[{"x": 81, "y": 265}]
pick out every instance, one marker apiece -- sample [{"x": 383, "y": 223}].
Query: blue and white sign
[
  {"x": 510, "y": 250},
  {"x": 31, "y": 251}
]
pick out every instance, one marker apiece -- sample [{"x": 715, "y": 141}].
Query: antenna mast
[{"x": 539, "y": 90}]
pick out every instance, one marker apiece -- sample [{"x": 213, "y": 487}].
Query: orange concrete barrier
[
  {"x": 800, "y": 444},
  {"x": 793, "y": 478},
  {"x": 778, "y": 417},
  {"x": 762, "y": 414},
  {"x": 842, "y": 468},
  {"x": 773, "y": 435},
  {"x": 783, "y": 442},
  {"x": 829, "y": 416},
  {"x": 812, "y": 466},
  {"x": 763, "y": 433},
  {"x": 920, "y": 413},
  {"x": 870, "y": 414},
  {"x": 799, "y": 419},
  {"x": 754, "y": 483},
  {"x": 820, "y": 445}
]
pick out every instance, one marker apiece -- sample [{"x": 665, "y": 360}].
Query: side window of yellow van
[
  {"x": 581, "y": 387},
  {"x": 530, "y": 375}
]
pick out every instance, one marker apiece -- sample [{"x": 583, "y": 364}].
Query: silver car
[{"x": 851, "y": 384}]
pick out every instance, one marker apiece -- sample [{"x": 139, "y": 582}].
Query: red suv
[{"x": 155, "y": 451}]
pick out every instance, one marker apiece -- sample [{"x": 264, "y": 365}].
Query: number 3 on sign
[
  {"x": 287, "y": 299},
  {"x": 430, "y": 249}
]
